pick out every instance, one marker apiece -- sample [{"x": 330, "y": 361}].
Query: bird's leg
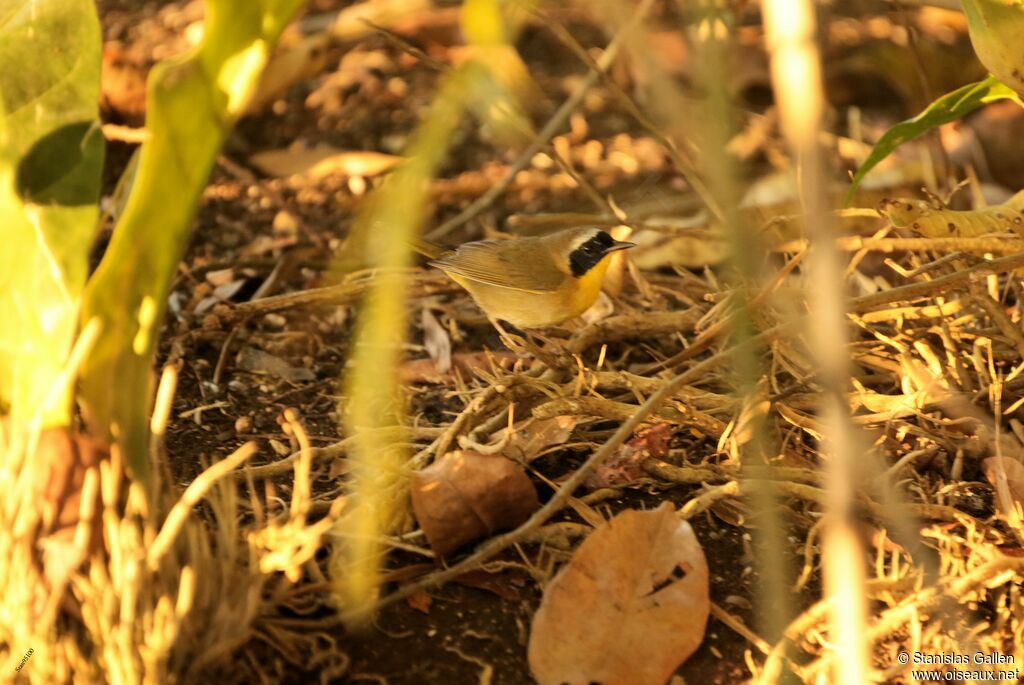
[
  {"x": 513, "y": 338},
  {"x": 551, "y": 351},
  {"x": 525, "y": 344}
]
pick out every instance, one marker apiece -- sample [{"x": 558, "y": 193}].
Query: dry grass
[
  {"x": 926, "y": 391},
  {"x": 169, "y": 596},
  {"x": 932, "y": 358}
]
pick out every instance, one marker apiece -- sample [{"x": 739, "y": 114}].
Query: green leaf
[
  {"x": 63, "y": 167},
  {"x": 996, "y": 27},
  {"x": 947, "y": 108},
  {"x": 191, "y": 104},
  {"x": 51, "y": 158}
]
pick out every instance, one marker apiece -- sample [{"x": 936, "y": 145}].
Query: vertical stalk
[
  {"x": 372, "y": 386},
  {"x": 797, "y": 83},
  {"x": 714, "y": 126}
]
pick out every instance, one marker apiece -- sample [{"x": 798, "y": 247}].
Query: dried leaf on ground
[
  {"x": 465, "y": 496},
  {"x": 437, "y": 341},
  {"x": 602, "y": 308},
  {"x": 630, "y": 607},
  {"x": 656, "y": 250},
  {"x": 417, "y": 371},
  {"x": 290, "y": 65},
  {"x": 503, "y": 585},
  {"x": 356, "y": 21},
  {"x": 626, "y": 465},
  {"x": 260, "y": 362},
  {"x": 65, "y": 458},
  {"x": 420, "y": 601},
  {"x": 323, "y": 160},
  {"x": 339, "y": 467},
  {"x": 123, "y": 82},
  {"x": 222, "y": 293},
  {"x": 220, "y": 277},
  {"x": 532, "y": 437},
  {"x": 1014, "y": 471}
]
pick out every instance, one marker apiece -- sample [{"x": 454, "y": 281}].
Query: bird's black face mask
[{"x": 586, "y": 256}]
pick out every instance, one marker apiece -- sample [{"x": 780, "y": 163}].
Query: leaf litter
[
  {"x": 629, "y": 606},
  {"x": 931, "y": 330}
]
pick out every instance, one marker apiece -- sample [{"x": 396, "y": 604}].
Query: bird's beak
[{"x": 620, "y": 245}]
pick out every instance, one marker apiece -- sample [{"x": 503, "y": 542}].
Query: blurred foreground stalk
[
  {"x": 710, "y": 121},
  {"x": 381, "y": 240},
  {"x": 750, "y": 445},
  {"x": 797, "y": 82}
]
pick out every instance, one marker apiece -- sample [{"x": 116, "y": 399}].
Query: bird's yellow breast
[
  {"x": 525, "y": 309},
  {"x": 588, "y": 286}
]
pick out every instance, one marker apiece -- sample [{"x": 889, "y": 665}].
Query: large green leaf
[
  {"x": 192, "y": 102},
  {"x": 51, "y": 157},
  {"x": 947, "y": 108},
  {"x": 996, "y": 28}
]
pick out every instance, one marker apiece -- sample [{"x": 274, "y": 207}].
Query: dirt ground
[{"x": 238, "y": 377}]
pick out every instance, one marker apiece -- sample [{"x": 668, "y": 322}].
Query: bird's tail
[{"x": 427, "y": 249}]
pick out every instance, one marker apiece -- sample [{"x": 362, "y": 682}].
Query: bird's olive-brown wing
[{"x": 517, "y": 264}]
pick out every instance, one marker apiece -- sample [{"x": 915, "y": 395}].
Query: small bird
[{"x": 531, "y": 282}]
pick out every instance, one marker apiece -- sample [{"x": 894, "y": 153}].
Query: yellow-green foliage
[
  {"x": 946, "y": 108},
  {"x": 191, "y": 105},
  {"x": 996, "y": 28},
  {"x": 384, "y": 232},
  {"x": 504, "y": 84},
  {"x": 933, "y": 222},
  {"x": 51, "y": 156},
  {"x": 391, "y": 220}
]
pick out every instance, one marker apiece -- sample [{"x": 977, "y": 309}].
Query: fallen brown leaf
[
  {"x": 656, "y": 250},
  {"x": 321, "y": 161},
  {"x": 419, "y": 371},
  {"x": 629, "y": 607},
  {"x": 500, "y": 584},
  {"x": 465, "y": 496},
  {"x": 420, "y": 601},
  {"x": 592, "y": 516},
  {"x": 356, "y": 21},
  {"x": 339, "y": 467},
  {"x": 533, "y": 436},
  {"x": 123, "y": 83},
  {"x": 260, "y": 362},
  {"x": 602, "y": 308},
  {"x": 655, "y": 440},
  {"x": 222, "y": 293},
  {"x": 466, "y": 363},
  {"x": 289, "y": 65},
  {"x": 65, "y": 457},
  {"x": 220, "y": 277},
  {"x": 938, "y": 222},
  {"x": 626, "y": 465},
  {"x": 437, "y": 341},
  {"x": 1014, "y": 488}
]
